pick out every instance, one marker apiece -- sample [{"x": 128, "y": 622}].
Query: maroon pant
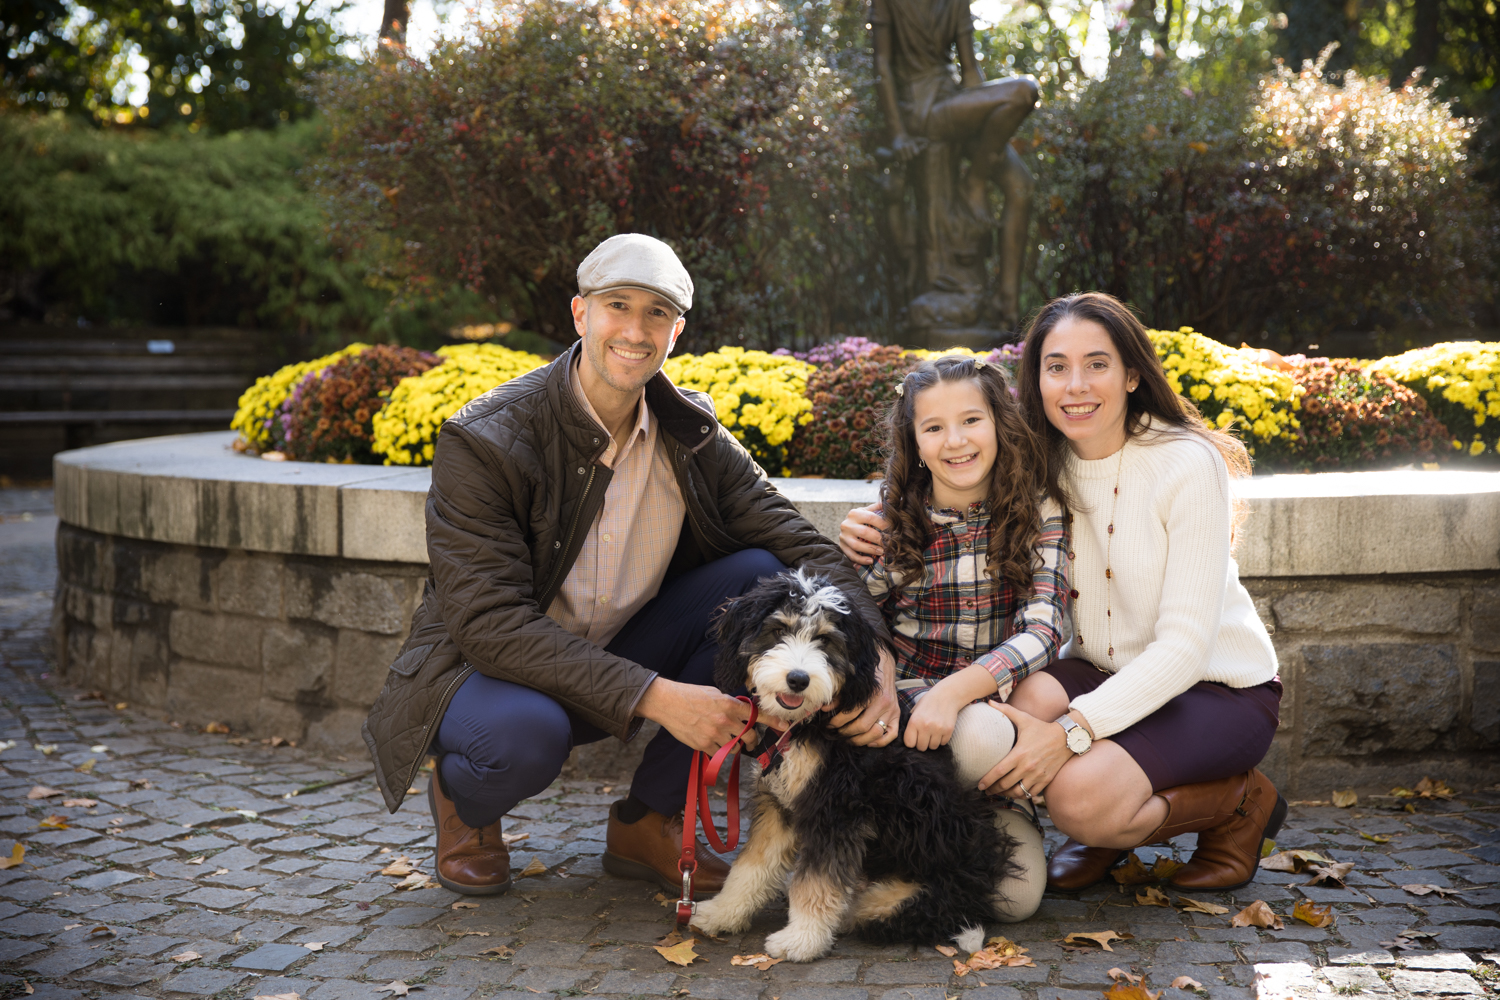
[{"x": 1208, "y": 732}]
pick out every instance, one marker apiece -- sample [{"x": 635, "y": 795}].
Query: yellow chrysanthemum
[
  {"x": 760, "y": 397},
  {"x": 259, "y": 403},
  {"x": 1229, "y": 387},
  {"x": 1459, "y": 381}
]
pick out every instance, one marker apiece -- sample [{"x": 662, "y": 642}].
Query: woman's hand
[
  {"x": 1040, "y": 752},
  {"x": 859, "y": 534}
]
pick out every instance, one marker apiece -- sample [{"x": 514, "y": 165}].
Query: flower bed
[{"x": 801, "y": 417}]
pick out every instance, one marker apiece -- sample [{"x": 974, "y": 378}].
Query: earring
[{"x": 921, "y": 463}]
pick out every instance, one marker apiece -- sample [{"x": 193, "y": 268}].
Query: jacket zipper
[
  {"x": 572, "y": 530},
  {"x": 427, "y": 733}
]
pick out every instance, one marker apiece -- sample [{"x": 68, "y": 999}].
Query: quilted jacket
[{"x": 515, "y": 487}]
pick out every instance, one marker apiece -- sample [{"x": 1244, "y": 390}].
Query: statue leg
[
  {"x": 983, "y": 119},
  {"x": 1018, "y": 186}
]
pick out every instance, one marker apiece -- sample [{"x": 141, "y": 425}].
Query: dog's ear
[
  {"x": 863, "y": 643},
  {"x": 741, "y": 620}
]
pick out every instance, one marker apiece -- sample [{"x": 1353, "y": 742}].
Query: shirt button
[
  {"x": 606, "y": 536},
  {"x": 604, "y": 599},
  {"x": 968, "y": 604}
]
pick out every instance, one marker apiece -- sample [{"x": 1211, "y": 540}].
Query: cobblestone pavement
[{"x": 189, "y": 871}]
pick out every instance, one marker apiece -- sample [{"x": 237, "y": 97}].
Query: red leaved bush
[
  {"x": 844, "y": 439},
  {"x": 327, "y": 418},
  {"x": 1353, "y": 419}
]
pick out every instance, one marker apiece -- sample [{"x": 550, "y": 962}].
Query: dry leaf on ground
[
  {"x": 1118, "y": 974},
  {"x": 1165, "y": 868},
  {"x": 279, "y": 996},
  {"x": 1152, "y": 897},
  {"x": 1375, "y": 838},
  {"x": 1186, "y": 983},
  {"x": 1293, "y": 861},
  {"x": 1345, "y": 800},
  {"x": 416, "y": 880},
  {"x": 80, "y": 803},
  {"x": 1429, "y": 789},
  {"x": 1313, "y": 915},
  {"x": 54, "y": 822},
  {"x": 945, "y": 950},
  {"x": 503, "y": 951},
  {"x": 998, "y": 953},
  {"x": 27, "y": 987},
  {"x": 101, "y": 931},
  {"x": 513, "y": 838},
  {"x": 17, "y": 856},
  {"x": 141, "y": 784},
  {"x": 397, "y": 988},
  {"x": 45, "y": 749},
  {"x": 1133, "y": 872},
  {"x": 42, "y": 792},
  {"x": 186, "y": 956},
  {"x": 314, "y": 945},
  {"x": 401, "y": 866},
  {"x": 1257, "y": 914},
  {"x": 87, "y": 767},
  {"x": 1423, "y": 890},
  {"x": 673, "y": 938},
  {"x": 533, "y": 867},
  {"x": 195, "y": 861},
  {"x": 1189, "y": 905},
  {"x": 465, "y": 932},
  {"x": 1330, "y": 873},
  {"x": 219, "y": 727},
  {"x": 1119, "y": 992},
  {"x": 680, "y": 954},
  {"x": 761, "y": 961},
  {"x": 1101, "y": 938},
  {"x": 217, "y": 871},
  {"x": 463, "y": 904}
]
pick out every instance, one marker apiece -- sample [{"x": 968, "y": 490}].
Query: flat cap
[{"x": 635, "y": 260}]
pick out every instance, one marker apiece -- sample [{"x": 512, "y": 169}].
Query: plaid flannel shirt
[{"x": 957, "y": 615}]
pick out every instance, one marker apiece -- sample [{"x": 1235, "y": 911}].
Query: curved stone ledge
[{"x": 192, "y": 489}]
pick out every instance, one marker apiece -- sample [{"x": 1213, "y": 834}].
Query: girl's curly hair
[{"x": 1019, "y": 479}]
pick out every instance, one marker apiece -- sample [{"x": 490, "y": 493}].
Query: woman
[{"x": 1153, "y": 720}]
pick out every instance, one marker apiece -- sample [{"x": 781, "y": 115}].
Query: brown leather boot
[
  {"x": 1232, "y": 817},
  {"x": 470, "y": 860},
  {"x": 649, "y": 848},
  {"x": 1075, "y": 867}
]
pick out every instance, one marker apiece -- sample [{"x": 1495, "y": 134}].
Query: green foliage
[
  {"x": 220, "y": 64},
  {"x": 497, "y": 164},
  {"x": 172, "y": 228}
]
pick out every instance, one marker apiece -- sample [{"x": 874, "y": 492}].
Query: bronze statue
[{"x": 939, "y": 211}]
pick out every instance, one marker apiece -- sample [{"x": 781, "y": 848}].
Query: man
[{"x": 584, "y": 523}]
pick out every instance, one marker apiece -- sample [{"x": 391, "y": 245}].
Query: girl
[
  {"x": 974, "y": 555},
  {"x": 1167, "y": 695}
]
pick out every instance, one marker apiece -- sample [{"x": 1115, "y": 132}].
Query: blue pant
[{"x": 501, "y": 742}]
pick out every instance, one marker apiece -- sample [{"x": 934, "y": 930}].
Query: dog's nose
[{"x": 797, "y": 680}]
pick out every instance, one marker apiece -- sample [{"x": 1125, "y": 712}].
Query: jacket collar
[{"x": 678, "y": 415}]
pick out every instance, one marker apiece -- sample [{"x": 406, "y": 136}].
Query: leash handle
[{"x": 700, "y": 777}]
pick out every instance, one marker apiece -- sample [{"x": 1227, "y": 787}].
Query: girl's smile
[{"x": 956, "y": 438}]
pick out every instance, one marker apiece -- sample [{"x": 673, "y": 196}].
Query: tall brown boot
[
  {"x": 471, "y": 860},
  {"x": 1232, "y": 817},
  {"x": 1074, "y": 867}
]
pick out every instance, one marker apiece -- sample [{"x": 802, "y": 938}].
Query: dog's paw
[
  {"x": 796, "y": 945},
  {"x": 716, "y": 918}
]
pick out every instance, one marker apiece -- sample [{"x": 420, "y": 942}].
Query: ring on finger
[
  {"x": 883, "y": 727},
  {"x": 1024, "y": 792}
]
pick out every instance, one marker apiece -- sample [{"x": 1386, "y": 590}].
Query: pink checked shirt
[{"x": 625, "y": 555}]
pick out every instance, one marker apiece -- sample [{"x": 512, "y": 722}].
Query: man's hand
[
  {"x": 859, "y": 534},
  {"x": 863, "y": 726},
  {"x": 1040, "y": 752},
  {"x": 699, "y": 716}
]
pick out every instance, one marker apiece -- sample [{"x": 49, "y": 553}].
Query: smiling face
[
  {"x": 627, "y": 334},
  {"x": 955, "y": 433},
  {"x": 1085, "y": 387}
]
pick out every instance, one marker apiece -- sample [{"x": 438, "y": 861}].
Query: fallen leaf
[
  {"x": 101, "y": 931},
  {"x": 46, "y": 749},
  {"x": 1257, "y": 914},
  {"x": 194, "y": 861},
  {"x": 1423, "y": 890},
  {"x": 120, "y": 706},
  {"x": 1293, "y": 861},
  {"x": 219, "y": 727},
  {"x": 1101, "y": 938},
  {"x": 54, "y": 822},
  {"x": 1165, "y": 868},
  {"x": 28, "y": 987},
  {"x": 1312, "y": 915},
  {"x": 42, "y": 792},
  {"x": 219, "y": 871},
  {"x": 315, "y": 945},
  {"x": 464, "y": 905},
  {"x": 1429, "y": 789},
  {"x": 464, "y": 932},
  {"x": 945, "y": 950},
  {"x": 87, "y": 767},
  {"x": 1118, "y": 974},
  {"x": 1345, "y": 800},
  {"x": 1133, "y": 872},
  {"x": 1000, "y": 953},
  {"x": 186, "y": 956},
  {"x": 960, "y": 969},
  {"x": 397, "y": 988},
  {"x": 401, "y": 866},
  {"x": 80, "y": 803},
  {"x": 416, "y": 880},
  {"x": 17, "y": 856},
  {"x": 1200, "y": 906},
  {"x": 675, "y": 937},
  {"x": 1374, "y": 839},
  {"x": 1152, "y": 897},
  {"x": 513, "y": 838},
  {"x": 98, "y": 748},
  {"x": 279, "y": 996},
  {"x": 677, "y": 954},
  {"x": 761, "y": 961},
  {"x": 140, "y": 783},
  {"x": 1118, "y": 992},
  {"x": 503, "y": 951},
  {"x": 1330, "y": 873},
  {"x": 117, "y": 821},
  {"x": 534, "y": 867},
  {"x": 1186, "y": 983}
]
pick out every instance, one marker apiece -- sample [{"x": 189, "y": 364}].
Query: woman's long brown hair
[
  {"x": 1153, "y": 396},
  {"x": 1020, "y": 478}
]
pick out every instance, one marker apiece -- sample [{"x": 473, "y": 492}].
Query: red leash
[{"x": 702, "y": 777}]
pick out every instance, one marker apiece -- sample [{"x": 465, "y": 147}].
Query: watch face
[{"x": 1078, "y": 740}]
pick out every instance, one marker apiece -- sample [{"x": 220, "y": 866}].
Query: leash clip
[{"x": 685, "y": 906}]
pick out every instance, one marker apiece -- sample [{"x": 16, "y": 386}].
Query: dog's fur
[{"x": 884, "y": 842}]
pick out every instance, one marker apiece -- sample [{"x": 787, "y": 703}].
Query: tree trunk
[
  {"x": 393, "y": 28},
  {"x": 1425, "y": 37}
]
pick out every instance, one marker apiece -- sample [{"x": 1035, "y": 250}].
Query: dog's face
[{"x": 794, "y": 642}]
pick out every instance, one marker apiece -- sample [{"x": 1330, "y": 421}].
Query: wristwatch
[{"x": 1079, "y": 740}]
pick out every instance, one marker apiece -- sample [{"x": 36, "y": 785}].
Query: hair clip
[
  {"x": 979, "y": 364},
  {"x": 901, "y": 388}
]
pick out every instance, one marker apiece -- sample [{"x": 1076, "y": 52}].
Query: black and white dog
[{"x": 884, "y": 842}]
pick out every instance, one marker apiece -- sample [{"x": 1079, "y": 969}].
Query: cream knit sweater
[{"x": 1180, "y": 614}]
